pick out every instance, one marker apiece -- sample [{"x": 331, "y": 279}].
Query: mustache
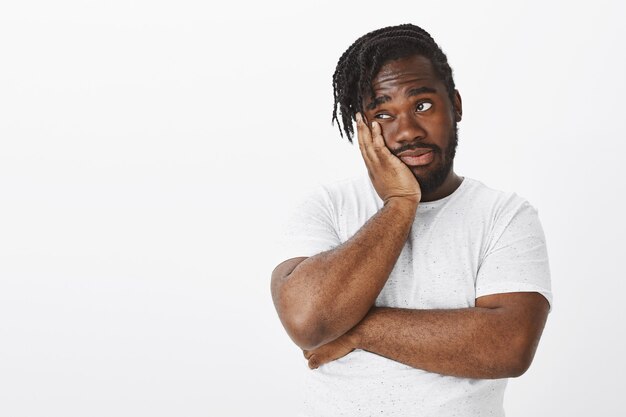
[{"x": 413, "y": 146}]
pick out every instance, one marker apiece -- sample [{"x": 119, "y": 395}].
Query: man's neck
[{"x": 450, "y": 184}]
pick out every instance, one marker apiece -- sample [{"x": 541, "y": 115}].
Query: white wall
[{"x": 148, "y": 150}]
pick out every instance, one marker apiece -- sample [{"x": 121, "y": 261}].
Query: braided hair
[{"x": 362, "y": 61}]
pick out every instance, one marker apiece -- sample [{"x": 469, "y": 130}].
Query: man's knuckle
[{"x": 378, "y": 148}]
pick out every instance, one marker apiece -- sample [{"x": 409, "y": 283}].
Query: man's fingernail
[{"x": 358, "y": 117}]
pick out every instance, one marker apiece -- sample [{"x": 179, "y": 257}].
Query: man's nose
[{"x": 408, "y": 129}]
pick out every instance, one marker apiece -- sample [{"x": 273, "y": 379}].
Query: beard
[{"x": 431, "y": 180}]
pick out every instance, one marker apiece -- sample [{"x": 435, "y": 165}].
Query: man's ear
[{"x": 458, "y": 106}]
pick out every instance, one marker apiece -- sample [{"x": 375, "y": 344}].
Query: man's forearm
[
  {"x": 471, "y": 342},
  {"x": 328, "y": 294},
  {"x": 450, "y": 342}
]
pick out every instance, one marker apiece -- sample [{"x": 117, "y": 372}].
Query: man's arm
[
  {"x": 322, "y": 297},
  {"x": 495, "y": 339}
]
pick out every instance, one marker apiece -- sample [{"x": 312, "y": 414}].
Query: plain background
[{"x": 150, "y": 149}]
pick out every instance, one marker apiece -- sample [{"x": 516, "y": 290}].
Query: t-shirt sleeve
[
  {"x": 517, "y": 258},
  {"x": 309, "y": 229}
]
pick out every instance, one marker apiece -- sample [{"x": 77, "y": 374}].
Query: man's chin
[{"x": 432, "y": 180}]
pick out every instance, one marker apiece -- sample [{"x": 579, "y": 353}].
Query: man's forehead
[{"x": 415, "y": 67}]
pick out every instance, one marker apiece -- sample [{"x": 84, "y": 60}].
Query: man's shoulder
[
  {"x": 354, "y": 189},
  {"x": 496, "y": 205},
  {"x": 337, "y": 193},
  {"x": 347, "y": 185},
  {"x": 479, "y": 192}
]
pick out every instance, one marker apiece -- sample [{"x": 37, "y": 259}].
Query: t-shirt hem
[{"x": 509, "y": 287}]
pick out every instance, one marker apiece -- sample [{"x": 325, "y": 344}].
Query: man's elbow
[
  {"x": 518, "y": 367},
  {"x": 508, "y": 365},
  {"x": 302, "y": 324},
  {"x": 305, "y": 321},
  {"x": 302, "y": 332},
  {"x": 520, "y": 358}
]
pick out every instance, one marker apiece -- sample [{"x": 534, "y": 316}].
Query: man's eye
[
  {"x": 382, "y": 116},
  {"x": 423, "y": 106}
]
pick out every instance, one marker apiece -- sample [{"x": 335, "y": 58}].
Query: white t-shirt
[{"x": 475, "y": 242}]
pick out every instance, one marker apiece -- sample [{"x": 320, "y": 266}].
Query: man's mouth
[{"x": 417, "y": 157}]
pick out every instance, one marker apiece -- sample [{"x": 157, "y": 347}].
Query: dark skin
[
  {"x": 412, "y": 107},
  {"x": 326, "y": 302}
]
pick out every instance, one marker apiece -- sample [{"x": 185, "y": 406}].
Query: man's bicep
[
  {"x": 280, "y": 275},
  {"x": 517, "y": 258},
  {"x": 525, "y": 311},
  {"x": 521, "y": 317},
  {"x": 309, "y": 229},
  {"x": 524, "y": 303},
  {"x": 282, "y": 271}
]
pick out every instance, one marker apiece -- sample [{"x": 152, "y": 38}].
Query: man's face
[{"x": 417, "y": 118}]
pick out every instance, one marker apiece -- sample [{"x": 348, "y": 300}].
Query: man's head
[{"x": 399, "y": 77}]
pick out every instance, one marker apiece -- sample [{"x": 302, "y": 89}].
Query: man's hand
[
  {"x": 390, "y": 176},
  {"x": 331, "y": 351}
]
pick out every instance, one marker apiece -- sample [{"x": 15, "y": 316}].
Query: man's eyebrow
[
  {"x": 378, "y": 101},
  {"x": 412, "y": 92},
  {"x": 421, "y": 90}
]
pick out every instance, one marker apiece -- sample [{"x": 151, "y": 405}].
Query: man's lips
[
  {"x": 414, "y": 152},
  {"x": 417, "y": 157}
]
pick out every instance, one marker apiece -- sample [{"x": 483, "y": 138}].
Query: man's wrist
[
  {"x": 354, "y": 337},
  {"x": 357, "y": 333},
  {"x": 405, "y": 204}
]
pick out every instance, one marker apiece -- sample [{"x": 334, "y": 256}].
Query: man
[{"x": 412, "y": 291}]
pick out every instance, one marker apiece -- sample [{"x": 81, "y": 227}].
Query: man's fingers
[
  {"x": 390, "y": 177},
  {"x": 368, "y": 148},
  {"x": 363, "y": 133},
  {"x": 312, "y": 358},
  {"x": 379, "y": 151},
  {"x": 314, "y": 362},
  {"x": 377, "y": 136}
]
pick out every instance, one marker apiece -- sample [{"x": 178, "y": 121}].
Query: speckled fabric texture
[{"x": 477, "y": 241}]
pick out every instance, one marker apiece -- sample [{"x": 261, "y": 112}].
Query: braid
[{"x": 360, "y": 63}]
